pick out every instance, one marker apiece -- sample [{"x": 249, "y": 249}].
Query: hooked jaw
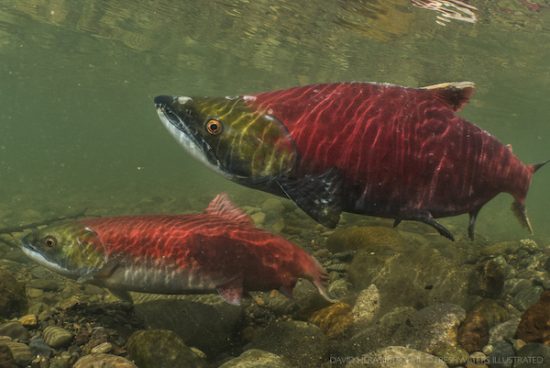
[
  {"x": 185, "y": 131},
  {"x": 33, "y": 253}
]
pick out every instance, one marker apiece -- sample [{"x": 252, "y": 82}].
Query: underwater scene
[{"x": 278, "y": 184}]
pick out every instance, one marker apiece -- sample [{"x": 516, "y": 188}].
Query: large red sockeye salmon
[
  {"x": 219, "y": 249},
  {"x": 367, "y": 148}
]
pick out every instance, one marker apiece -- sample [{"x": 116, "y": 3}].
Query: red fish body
[
  {"x": 367, "y": 148},
  {"x": 216, "y": 250},
  {"x": 402, "y": 152}
]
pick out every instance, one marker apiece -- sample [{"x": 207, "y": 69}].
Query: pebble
[
  {"x": 6, "y": 357},
  {"x": 473, "y": 333},
  {"x": 518, "y": 344},
  {"x": 255, "y": 358},
  {"x": 339, "y": 288},
  {"x": 102, "y": 348},
  {"x": 34, "y": 293},
  {"x": 535, "y": 322},
  {"x": 21, "y": 352},
  {"x": 104, "y": 361},
  {"x": 503, "y": 331},
  {"x": 39, "y": 347},
  {"x": 258, "y": 218},
  {"x": 395, "y": 357},
  {"x": 502, "y": 355},
  {"x": 29, "y": 320},
  {"x": 533, "y": 355},
  {"x": 451, "y": 355},
  {"x": 366, "y": 306},
  {"x": 527, "y": 297},
  {"x": 333, "y": 320},
  {"x": 62, "y": 360},
  {"x": 15, "y": 330},
  {"x": 57, "y": 337},
  {"x": 477, "y": 360},
  {"x": 44, "y": 284}
]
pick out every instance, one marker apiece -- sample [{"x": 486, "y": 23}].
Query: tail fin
[
  {"x": 319, "y": 277},
  {"x": 518, "y": 207},
  {"x": 536, "y": 167},
  {"x": 521, "y": 214}
]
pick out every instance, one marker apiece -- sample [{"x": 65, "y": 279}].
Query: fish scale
[
  {"x": 218, "y": 250},
  {"x": 368, "y": 148}
]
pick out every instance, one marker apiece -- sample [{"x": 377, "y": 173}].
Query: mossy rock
[
  {"x": 12, "y": 295},
  {"x": 361, "y": 237},
  {"x": 161, "y": 349}
]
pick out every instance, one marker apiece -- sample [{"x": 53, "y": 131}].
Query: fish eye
[
  {"x": 49, "y": 241},
  {"x": 214, "y": 126}
]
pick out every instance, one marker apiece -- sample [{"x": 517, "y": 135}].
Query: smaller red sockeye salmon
[{"x": 218, "y": 250}]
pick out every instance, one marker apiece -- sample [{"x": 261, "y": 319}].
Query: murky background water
[
  {"x": 78, "y": 130},
  {"x": 77, "y": 81}
]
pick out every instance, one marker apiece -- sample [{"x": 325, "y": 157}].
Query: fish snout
[{"x": 164, "y": 101}]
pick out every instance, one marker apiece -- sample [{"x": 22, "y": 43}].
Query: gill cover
[
  {"x": 70, "y": 249},
  {"x": 230, "y": 137}
]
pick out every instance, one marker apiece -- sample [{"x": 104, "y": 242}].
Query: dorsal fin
[
  {"x": 222, "y": 206},
  {"x": 454, "y": 94}
]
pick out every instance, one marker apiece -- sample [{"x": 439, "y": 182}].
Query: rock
[
  {"x": 503, "y": 331},
  {"x": 339, "y": 288},
  {"x": 39, "y": 347},
  {"x": 473, "y": 333},
  {"x": 333, "y": 320},
  {"x": 366, "y": 306},
  {"x": 534, "y": 325},
  {"x": 161, "y": 349},
  {"x": 255, "y": 358},
  {"x": 477, "y": 360},
  {"x": 57, "y": 337},
  {"x": 64, "y": 361},
  {"x": 34, "y": 293},
  {"x": 431, "y": 326},
  {"x": 258, "y": 218},
  {"x": 6, "y": 357},
  {"x": 12, "y": 295},
  {"x": 487, "y": 280},
  {"x": 396, "y": 357},
  {"x": 451, "y": 355},
  {"x": 21, "y": 353},
  {"x": 307, "y": 299},
  {"x": 402, "y": 280},
  {"x": 303, "y": 344},
  {"x": 104, "y": 347},
  {"x": 527, "y": 297},
  {"x": 502, "y": 355},
  {"x": 518, "y": 344},
  {"x": 492, "y": 311},
  {"x": 356, "y": 238},
  {"x": 272, "y": 206},
  {"x": 104, "y": 361},
  {"x": 15, "y": 330},
  {"x": 533, "y": 355},
  {"x": 206, "y": 321},
  {"x": 44, "y": 284},
  {"x": 29, "y": 320}
]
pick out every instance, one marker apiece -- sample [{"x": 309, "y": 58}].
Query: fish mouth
[
  {"x": 34, "y": 253},
  {"x": 185, "y": 134}
]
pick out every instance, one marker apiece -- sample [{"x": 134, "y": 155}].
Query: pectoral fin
[
  {"x": 102, "y": 273},
  {"x": 232, "y": 291},
  {"x": 320, "y": 196}
]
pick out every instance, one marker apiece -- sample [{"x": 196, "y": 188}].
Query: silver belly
[{"x": 160, "y": 280}]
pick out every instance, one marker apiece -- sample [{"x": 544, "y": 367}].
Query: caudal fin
[
  {"x": 518, "y": 207},
  {"x": 521, "y": 214}
]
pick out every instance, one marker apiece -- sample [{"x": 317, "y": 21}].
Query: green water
[{"x": 79, "y": 130}]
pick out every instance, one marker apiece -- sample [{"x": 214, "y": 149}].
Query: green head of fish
[
  {"x": 70, "y": 249},
  {"x": 228, "y": 136}
]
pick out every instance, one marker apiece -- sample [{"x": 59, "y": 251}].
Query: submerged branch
[{"x": 19, "y": 228}]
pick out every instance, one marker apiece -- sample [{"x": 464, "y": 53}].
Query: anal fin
[
  {"x": 232, "y": 291},
  {"x": 320, "y": 196}
]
